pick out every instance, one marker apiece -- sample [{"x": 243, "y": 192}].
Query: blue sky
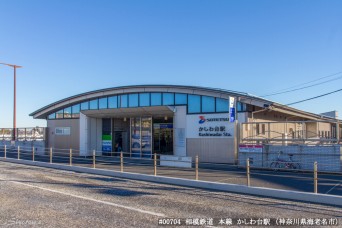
[{"x": 259, "y": 47}]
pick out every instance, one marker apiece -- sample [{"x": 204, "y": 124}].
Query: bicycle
[{"x": 285, "y": 164}]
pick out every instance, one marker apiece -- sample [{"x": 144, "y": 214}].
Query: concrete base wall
[{"x": 26, "y": 145}]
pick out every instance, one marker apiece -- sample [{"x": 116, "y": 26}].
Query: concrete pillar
[
  {"x": 84, "y": 135},
  {"x": 179, "y": 138}
]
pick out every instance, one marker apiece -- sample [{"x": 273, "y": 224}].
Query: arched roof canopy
[{"x": 192, "y": 90}]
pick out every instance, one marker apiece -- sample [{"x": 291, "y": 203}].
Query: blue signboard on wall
[
  {"x": 107, "y": 143},
  {"x": 231, "y": 109},
  {"x": 231, "y": 115}
]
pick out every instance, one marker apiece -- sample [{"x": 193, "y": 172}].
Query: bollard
[
  {"x": 5, "y": 152},
  {"x": 248, "y": 173},
  {"x": 196, "y": 167},
  {"x": 33, "y": 153},
  {"x": 18, "y": 152},
  {"x": 70, "y": 159},
  {"x": 50, "y": 155},
  {"x": 94, "y": 162},
  {"x": 155, "y": 164},
  {"x": 121, "y": 162},
  {"x": 315, "y": 178}
]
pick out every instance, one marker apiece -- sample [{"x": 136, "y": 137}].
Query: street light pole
[
  {"x": 14, "y": 98},
  {"x": 15, "y": 103}
]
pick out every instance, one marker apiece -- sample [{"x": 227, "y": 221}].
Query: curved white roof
[{"x": 43, "y": 112}]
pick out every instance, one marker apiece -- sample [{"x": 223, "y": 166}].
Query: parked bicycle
[{"x": 285, "y": 164}]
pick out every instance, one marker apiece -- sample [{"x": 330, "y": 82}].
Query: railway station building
[{"x": 178, "y": 121}]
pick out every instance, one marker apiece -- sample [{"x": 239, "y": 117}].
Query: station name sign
[{"x": 209, "y": 126}]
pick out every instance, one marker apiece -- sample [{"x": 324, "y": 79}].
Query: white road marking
[
  {"x": 334, "y": 187},
  {"x": 89, "y": 199}
]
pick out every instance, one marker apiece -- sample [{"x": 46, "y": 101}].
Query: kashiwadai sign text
[{"x": 209, "y": 126}]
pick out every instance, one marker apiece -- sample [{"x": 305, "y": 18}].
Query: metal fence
[
  {"x": 278, "y": 173},
  {"x": 327, "y": 156},
  {"x": 23, "y": 134},
  {"x": 291, "y": 132}
]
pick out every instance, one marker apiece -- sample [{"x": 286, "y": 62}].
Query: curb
[{"x": 259, "y": 191}]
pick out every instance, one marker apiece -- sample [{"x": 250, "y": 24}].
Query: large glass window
[
  {"x": 194, "y": 103},
  {"x": 133, "y": 100},
  {"x": 123, "y": 101},
  {"x": 85, "y": 105},
  {"x": 94, "y": 104},
  {"x": 67, "y": 112},
  {"x": 103, "y": 103},
  {"x": 52, "y": 116},
  {"x": 113, "y": 102},
  {"x": 155, "y": 99},
  {"x": 59, "y": 114},
  {"x": 144, "y": 99},
  {"x": 241, "y": 107},
  {"x": 75, "y": 111},
  {"x": 168, "y": 98},
  {"x": 181, "y": 99},
  {"x": 222, "y": 105},
  {"x": 208, "y": 104}
]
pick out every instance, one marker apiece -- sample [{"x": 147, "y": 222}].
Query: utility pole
[{"x": 14, "y": 98}]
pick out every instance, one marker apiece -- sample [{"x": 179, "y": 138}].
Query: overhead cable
[
  {"x": 291, "y": 89},
  {"x": 315, "y": 97},
  {"x": 305, "y": 87}
]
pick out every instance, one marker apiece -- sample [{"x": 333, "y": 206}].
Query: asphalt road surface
[{"x": 41, "y": 197}]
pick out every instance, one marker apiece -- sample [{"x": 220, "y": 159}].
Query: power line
[
  {"x": 315, "y": 97},
  {"x": 305, "y": 87},
  {"x": 291, "y": 89}
]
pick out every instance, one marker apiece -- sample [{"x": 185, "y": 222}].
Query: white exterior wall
[
  {"x": 95, "y": 134},
  {"x": 90, "y": 135},
  {"x": 212, "y": 139},
  {"x": 179, "y": 129}
]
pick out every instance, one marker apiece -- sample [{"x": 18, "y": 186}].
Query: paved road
[
  {"x": 298, "y": 181},
  {"x": 42, "y": 197}
]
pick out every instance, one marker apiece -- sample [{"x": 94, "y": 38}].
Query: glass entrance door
[
  {"x": 163, "y": 138},
  {"x": 141, "y": 137},
  {"x": 135, "y": 137},
  {"x": 146, "y": 137}
]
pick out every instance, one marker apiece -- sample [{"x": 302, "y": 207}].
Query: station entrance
[{"x": 138, "y": 137}]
